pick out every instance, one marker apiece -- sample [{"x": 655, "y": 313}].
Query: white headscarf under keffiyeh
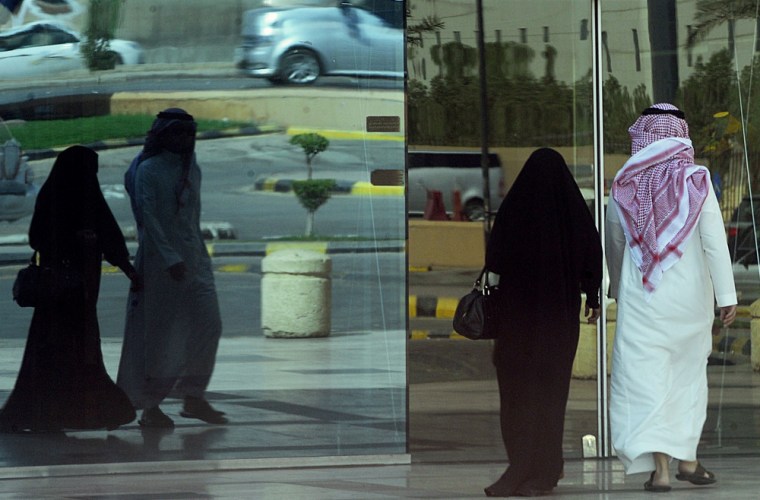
[{"x": 659, "y": 191}]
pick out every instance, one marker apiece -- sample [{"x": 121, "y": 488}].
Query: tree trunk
[{"x": 309, "y": 224}]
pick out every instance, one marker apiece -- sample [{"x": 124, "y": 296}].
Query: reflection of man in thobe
[{"x": 173, "y": 324}]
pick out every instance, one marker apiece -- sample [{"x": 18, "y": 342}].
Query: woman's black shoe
[{"x": 500, "y": 488}]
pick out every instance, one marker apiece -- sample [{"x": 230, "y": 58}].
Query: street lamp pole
[{"x": 484, "y": 133}]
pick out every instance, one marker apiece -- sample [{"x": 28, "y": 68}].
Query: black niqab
[
  {"x": 70, "y": 201},
  {"x": 544, "y": 243}
]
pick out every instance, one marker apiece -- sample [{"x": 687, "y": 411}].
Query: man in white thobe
[{"x": 669, "y": 263}]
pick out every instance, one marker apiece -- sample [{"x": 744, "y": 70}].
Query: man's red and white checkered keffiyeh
[{"x": 659, "y": 193}]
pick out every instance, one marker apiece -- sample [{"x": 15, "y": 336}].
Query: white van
[{"x": 450, "y": 171}]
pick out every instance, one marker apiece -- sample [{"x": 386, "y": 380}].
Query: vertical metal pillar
[
  {"x": 604, "y": 447},
  {"x": 484, "y": 130}
]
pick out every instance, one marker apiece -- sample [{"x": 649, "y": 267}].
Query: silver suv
[
  {"x": 298, "y": 45},
  {"x": 17, "y": 193}
]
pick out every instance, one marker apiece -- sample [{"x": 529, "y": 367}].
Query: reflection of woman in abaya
[
  {"x": 546, "y": 250},
  {"x": 63, "y": 383}
]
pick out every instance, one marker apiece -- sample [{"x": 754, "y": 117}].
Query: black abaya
[
  {"x": 546, "y": 249},
  {"x": 63, "y": 383}
]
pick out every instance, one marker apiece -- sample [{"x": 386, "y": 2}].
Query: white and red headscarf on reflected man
[{"x": 659, "y": 191}]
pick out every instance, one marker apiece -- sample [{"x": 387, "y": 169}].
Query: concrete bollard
[
  {"x": 754, "y": 311},
  {"x": 584, "y": 364},
  {"x": 296, "y": 294}
]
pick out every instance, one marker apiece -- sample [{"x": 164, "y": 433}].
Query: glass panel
[
  {"x": 334, "y": 281},
  {"x": 694, "y": 55},
  {"x": 539, "y": 69}
]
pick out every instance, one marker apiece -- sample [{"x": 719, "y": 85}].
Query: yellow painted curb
[
  {"x": 419, "y": 335},
  {"x": 269, "y": 184},
  {"x": 234, "y": 268},
  {"x": 315, "y": 246},
  {"x": 445, "y": 307},
  {"x": 738, "y": 344},
  {"x": 366, "y": 188},
  {"x": 412, "y": 306},
  {"x": 347, "y": 134},
  {"x": 419, "y": 269}
]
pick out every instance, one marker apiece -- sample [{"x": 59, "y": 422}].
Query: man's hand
[
  {"x": 177, "y": 271},
  {"x": 728, "y": 314}
]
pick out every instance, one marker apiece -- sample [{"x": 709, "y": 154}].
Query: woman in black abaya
[
  {"x": 546, "y": 250},
  {"x": 63, "y": 383}
]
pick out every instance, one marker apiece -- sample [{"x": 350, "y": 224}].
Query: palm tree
[{"x": 712, "y": 13}]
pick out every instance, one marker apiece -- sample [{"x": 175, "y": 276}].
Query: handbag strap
[{"x": 481, "y": 283}]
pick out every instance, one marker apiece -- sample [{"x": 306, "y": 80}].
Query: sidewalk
[
  {"x": 326, "y": 419},
  {"x": 343, "y": 395},
  {"x": 584, "y": 480},
  {"x": 302, "y": 398}
]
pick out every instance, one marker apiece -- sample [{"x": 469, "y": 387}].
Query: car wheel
[
  {"x": 117, "y": 59},
  {"x": 474, "y": 209},
  {"x": 299, "y": 67}
]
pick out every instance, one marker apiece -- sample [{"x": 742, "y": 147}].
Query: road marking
[{"x": 234, "y": 268}]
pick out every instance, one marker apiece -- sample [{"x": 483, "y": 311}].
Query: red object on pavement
[
  {"x": 458, "y": 212},
  {"x": 434, "y": 207}
]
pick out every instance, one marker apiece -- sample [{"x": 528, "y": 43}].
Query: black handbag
[
  {"x": 476, "y": 313},
  {"x": 37, "y": 285}
]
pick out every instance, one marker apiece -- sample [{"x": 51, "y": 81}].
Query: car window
[
  {"x": 60, "y": 37},
  {"x": 13, "y": 42},
  {"x": 40, "y": 39},
  {"x": 365, "y": 17}
]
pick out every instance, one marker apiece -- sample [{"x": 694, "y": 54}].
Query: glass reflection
[
  {"x": 340, "y": 395},
  {"x": 703, "y": 60},
  {"x": 539, "y": 86}
]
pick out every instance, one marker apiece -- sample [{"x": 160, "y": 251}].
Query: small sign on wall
[{"x": 383, "y": 124}]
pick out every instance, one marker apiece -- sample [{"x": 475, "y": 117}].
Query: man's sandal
[
  {"x": 656, "y": 488},
  {"x": 700, "y": 476}
]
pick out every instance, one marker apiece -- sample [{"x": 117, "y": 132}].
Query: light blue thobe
[{"x": 173, "y": 327}]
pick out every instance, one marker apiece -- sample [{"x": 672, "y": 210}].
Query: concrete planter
[{"x": 296, "y": 294}]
